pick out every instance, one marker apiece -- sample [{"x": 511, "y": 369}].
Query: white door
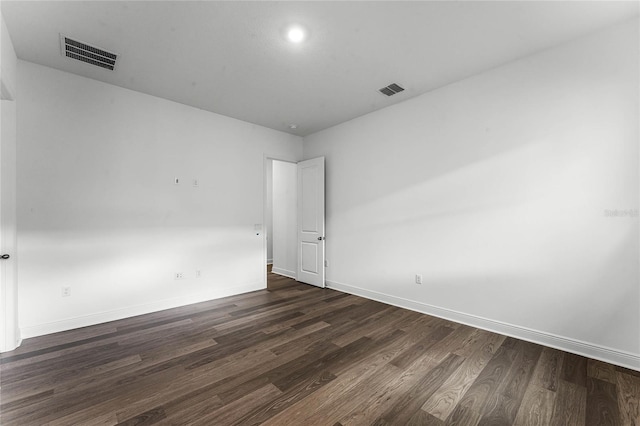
[
  {"x": 9, "y": 338},
  {"x": 311, "y": 222}
]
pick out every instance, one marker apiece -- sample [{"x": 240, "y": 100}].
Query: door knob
[
  {"x": 320, "y": 238},
  {"x": 5, "y": 256}
]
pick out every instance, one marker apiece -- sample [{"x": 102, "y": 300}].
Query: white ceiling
[{"x": 232, "y": 58}]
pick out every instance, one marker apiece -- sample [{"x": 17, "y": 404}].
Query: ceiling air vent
[
  {"x": 86, "y": 53},
  {"x": 391, "y": 89}
]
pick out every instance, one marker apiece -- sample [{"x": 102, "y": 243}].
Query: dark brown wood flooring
[{"x": 299, "y": 355}]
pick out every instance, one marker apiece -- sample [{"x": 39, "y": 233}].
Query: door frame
[
  {"x": 9, "y": 326},
  {"x": 265, "y": 159}
]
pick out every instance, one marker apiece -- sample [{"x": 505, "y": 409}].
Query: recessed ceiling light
[
  {"x": 293, "y": 126},
  {"x": 296, "y": 34}
]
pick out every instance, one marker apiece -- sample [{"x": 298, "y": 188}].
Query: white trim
[
  {"x": 284, "y": 272},
  {"x": 602, "y": 353},
  {"x": 131, "y": 311}
]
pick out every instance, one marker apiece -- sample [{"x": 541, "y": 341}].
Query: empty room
[{"x": 320, "y": 213}]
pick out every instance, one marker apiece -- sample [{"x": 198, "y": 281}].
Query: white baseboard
[
  {"x": 269, "y": 261},
  {"x": 612, "y": 356},
  {"x": 132, "y": 311},
  {"x": 284, "y": 272}
]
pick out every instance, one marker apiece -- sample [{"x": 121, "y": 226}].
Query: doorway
[
  {"x": 281, "y": 221},
  {"x": 294, "y": 220}
]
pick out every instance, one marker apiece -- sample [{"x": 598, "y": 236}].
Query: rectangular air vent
[
  {"x": 86, "y": 53},
  {"x": 391, "y": 89}
]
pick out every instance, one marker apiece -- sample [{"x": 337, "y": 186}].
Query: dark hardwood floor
[{"x": 299, "y": 355}]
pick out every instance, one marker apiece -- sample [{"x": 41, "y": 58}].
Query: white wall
[
  {"x": 9, "y": 333},
  {"x": 99, "y": 211},
  {"x": 8, "y": 63},
  {"x": 285, "y": 256},
  {"x": 495, "y": 189}
]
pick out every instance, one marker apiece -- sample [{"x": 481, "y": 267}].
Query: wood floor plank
[
  {"x": 108, "y": 419},
  {"x": 601, "y": 370},
  {"x": 628, "y": 398},
  {"x": 376, "y": 395},
  {"x": 292, "y": 375},
  {"x": 296, "y": 354},
  {"x": 368, "y": 326},
  {"x": 225, "y": 385},
  {"x": 402, "y": 322},
  {"x": 317, "y": 312},
  {"x": 602, "y": 403},
  {"x": 499, "y": 410},
  {"x": 333, "y": 413},
  {"x": 71, "y": 358},
  {"x": 92, "y": 399},
  {"x": 415, "y": 397},
  {"x": 226, "y": 376},
  {"x": 104, "y": 378},
  {"x": 421, "y": 418},
  {"x": 522, "y": 370},
  {"x": 147, "y": 418},
  {"x": 332, "y": 332},
  {"x": 634, "y": 373},
  {"x": 418, "y": 349},
  {"x": 571, "y": 405},
  {"x": 471, "y": 407},
  {"x": 46, "y": 384},
  {"x": 474, "y": 340},
  {"x": 32, "y": 346},
  {"x": 536, "y": 408},
  {"x": 503, "y": 407},
  {"x": 547, "y": 372},
  {"x": 453, "y": 342},
  {"x": 574, "y": 369},
  {"x": 59, "y": 366},
  {"x": 189, "y": 406},
  {"x": 229, "y": 414},
  {"x": 16, "y": 403},
  {"x": 302, "y": 389},
  {"x": 444, "y": 400},
  {"x": 186, "y": 378},
  {"x": 336, "y": 395}
]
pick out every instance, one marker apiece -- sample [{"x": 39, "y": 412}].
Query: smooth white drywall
[
  {"x": 8, "y": 63},
  {"x": 284, "y": 218},
  {"x": 496, "y": 189},
  {"x": 99, "y": 210}
]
